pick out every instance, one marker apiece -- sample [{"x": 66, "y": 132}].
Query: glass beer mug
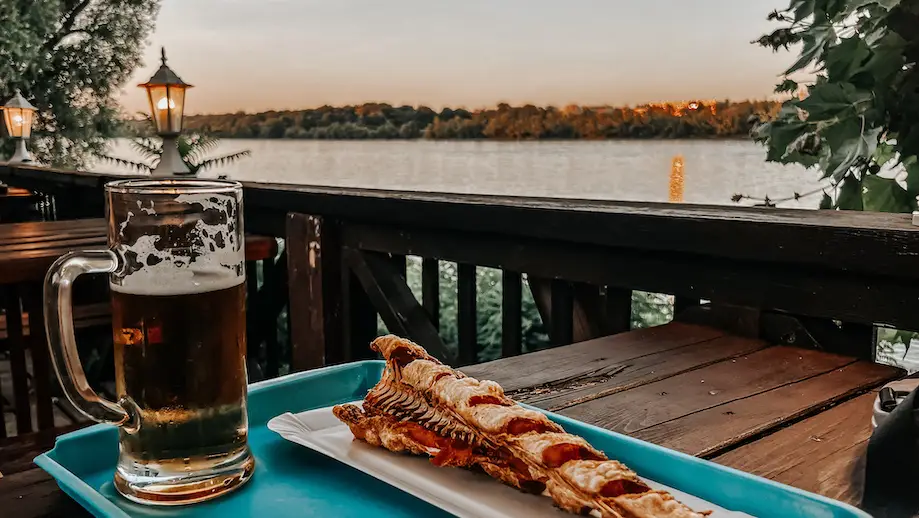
[{"x": 176, "y": 268}]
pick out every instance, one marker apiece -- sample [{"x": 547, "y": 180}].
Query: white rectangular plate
[{"x": 461, "y": 492}]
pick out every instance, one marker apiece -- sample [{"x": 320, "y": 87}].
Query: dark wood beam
[
  {"x": 392, "y": 297},
  {"x": 511, "y": 324},
  {"x": 314, "y": 266},
  {"x": 818, "y": 292}
]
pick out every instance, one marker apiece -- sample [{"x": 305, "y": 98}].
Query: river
[{"x": 636, "y": 170}]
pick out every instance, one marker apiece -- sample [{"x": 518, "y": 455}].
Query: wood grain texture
[
  {"x": 306, "y": 259},
  {"x": 273, "y": 296},
  {"x": 614, "y": 377},
  {"x": 561, "y": 323},
  {"x": 17, "y": 355},
  {"x": 27, "y": 250},
  {"x": 579, "y": 359},
  {"x": 34, "y": 494},
  {"x": 511, "y": 313},
  {"x": 466, "y": 315},
  {"x": 16, "y": 453},
  {"x": 394, "y": 300},
  {"x": 874, "y": 243},
  {"x": 823, "y": 454},
  {"x": 684, "y": 394},
  {"x": 616, "y": 310},
  {"x": 847, "y": 295},
  {"x": 38, "y": 350},
  {"x": 430, "y": 289},
  {"x": 780, "y": 234},
  {"x": 359, "y": 318},
  {"x": 710, "y": 431}
]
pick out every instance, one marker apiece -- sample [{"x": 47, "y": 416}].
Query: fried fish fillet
[{"x": 423, "y": 407}]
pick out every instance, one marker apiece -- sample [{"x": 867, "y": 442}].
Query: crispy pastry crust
[{"x": 423, "y": 407}]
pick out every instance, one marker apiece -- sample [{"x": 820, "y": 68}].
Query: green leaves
[
  {"x": 786, "y": 86},
  {"x": 833, "y": 100},
  {"x": 780, "y": 135},
  {"x": 888, "y": 4},
  {"x": 71, "y": 58},
  {"x": 862, "y": 109},
  {"x": 886, "y": 195},
  {"x": 850, "y": 194},
  {"x": 844, "y": 58},
  {"x": 912, "y": 176},
  {"x": 815, "y": 42},
  {"x": 848, "y": 146}
]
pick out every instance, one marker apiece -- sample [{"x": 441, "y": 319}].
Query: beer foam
[{"x": 214, "y": 263}]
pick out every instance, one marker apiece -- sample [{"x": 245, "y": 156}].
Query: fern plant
[{"x": 193, "y": 148}]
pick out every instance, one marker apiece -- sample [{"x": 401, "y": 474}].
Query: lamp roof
[
  {"x": 18, "y": 101},
  {"x": 165, "y": 75}
]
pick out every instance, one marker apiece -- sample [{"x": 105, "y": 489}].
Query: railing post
[
  {"x": 561, "y": 328},
  {"x": 391, "y": 296},
  {"x": 272, "y": 300},
  {"x": 681, "y": 304},
  {"x": 511, "y": 325},
  {"x": 615, "y": 310},
  {"x": 314, "y": 268},
  {"x": 359, "y": 318},
  {"x": 430, "y": 289},
  {"x": 467, "y": 330}
]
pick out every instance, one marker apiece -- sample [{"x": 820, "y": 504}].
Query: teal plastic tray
[{"x": 293, "y": 481}]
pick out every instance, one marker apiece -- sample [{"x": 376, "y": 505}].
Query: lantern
[
  {"x": 166, "y": 93},
  {"x": 17, "y": 116}
]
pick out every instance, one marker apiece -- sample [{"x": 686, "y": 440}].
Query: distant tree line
[{"x": 705, "y": 119}]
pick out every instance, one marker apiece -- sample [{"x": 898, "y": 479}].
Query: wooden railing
[{"x": 811, "y": 278}]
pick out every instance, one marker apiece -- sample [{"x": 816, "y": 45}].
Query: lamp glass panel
[{"x": 18, "y": 122}]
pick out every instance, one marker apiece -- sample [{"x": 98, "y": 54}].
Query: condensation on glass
[{"x": 176, "y": 266}]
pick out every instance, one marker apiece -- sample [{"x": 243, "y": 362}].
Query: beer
[
  {"x": 180, "y": 364},
  {"x": 177, "y": 272}
]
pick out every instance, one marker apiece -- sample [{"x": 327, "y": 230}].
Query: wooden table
[
  {"x": 28, "y": 249},
  {"x": 26, "y": 252},
  {"x": 798, "y": 416}
]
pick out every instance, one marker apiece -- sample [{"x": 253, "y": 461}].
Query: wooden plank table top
[
  {"x": 27, "y": 250},
  {"x": 797, "y": 416}
]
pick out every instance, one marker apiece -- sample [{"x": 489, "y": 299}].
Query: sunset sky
[{"x": 255, "y": 55}]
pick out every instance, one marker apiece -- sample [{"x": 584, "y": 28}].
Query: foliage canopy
[
  {"x": 70, "y": 58},
  {"x": 858, "y": 121},
  {"x": 706, "y": 119}
]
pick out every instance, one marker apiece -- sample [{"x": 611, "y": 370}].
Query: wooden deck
[
  {"x": 785, "y": 394},
  {"x": 797, "y": 416}
]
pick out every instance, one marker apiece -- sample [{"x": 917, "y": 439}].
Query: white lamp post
[
  {"x": 166, "y": 92},
  {"x": 17, "y": 115}
]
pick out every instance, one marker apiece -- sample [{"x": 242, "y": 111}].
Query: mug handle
[{"x": 62, "y": 341}]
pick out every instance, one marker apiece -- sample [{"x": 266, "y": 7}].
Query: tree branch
[
  {"x": 770, "y": 202},
  {"x": 67, "y": 25}
]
